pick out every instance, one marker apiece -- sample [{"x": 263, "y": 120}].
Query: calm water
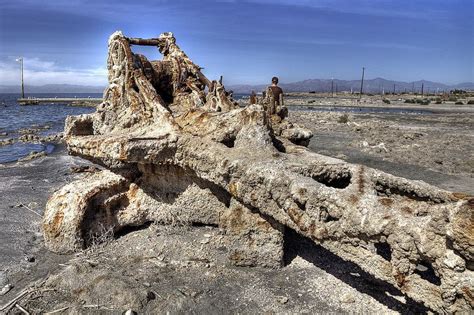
[{"x": 14, "y": 118}]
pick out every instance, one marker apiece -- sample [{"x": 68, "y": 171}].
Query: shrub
[
  {"x": 386, "y": 101},
  {"x": 103, "y": 236},
  {"x": 459, "y": 103},
  {"x": 471, "y": 102},
  {"x": 423, "y": 101},
  {"x": 410, "y": 101},
  {"x": 453, "y": 99},
  {"x": 343, "y": 119}
]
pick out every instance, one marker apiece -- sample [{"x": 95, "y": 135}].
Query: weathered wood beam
[
  {"x": 204, "y": 79},
  {"x": 145, "y": 42}
]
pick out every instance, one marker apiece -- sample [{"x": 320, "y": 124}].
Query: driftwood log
[{"x": 179, "y": 150}]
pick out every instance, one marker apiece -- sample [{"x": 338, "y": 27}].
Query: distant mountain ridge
[
  {"x": 318, "y": 85},
  {"x": 376, "y": 85}
]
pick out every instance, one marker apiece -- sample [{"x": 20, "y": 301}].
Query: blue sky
[{"x": 65, "y": 41}]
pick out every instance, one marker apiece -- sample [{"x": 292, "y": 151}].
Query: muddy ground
[
  {"x": 437, "y": 148},
  {"x": 25, "y": 188},
  {"x": 183, "y": 269},
  {"x": 180, "y": 269},
  {"x": 163, "y": 269}
]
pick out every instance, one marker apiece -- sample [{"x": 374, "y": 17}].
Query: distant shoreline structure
[{"x": 74, "y": 101}]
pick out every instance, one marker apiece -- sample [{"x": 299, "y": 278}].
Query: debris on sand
[
  {"x": 33, "y": 155},
  {"x": 84, "y": 169},
  {"x": 6, "y": 142},
  {"x": 5, "y": 289}
]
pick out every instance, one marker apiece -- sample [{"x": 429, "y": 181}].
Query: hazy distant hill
[
  {"x": 370, "y": 86},
  {"x": 318, "y": 85},
  {"x": 52, "y": 88}
]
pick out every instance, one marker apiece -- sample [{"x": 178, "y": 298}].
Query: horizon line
[{"x": 253, "y": 84}]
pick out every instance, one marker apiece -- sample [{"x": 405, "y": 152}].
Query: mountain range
[
  {"x": 317, "y": 85},
  {"x": 376, "y": 85}
]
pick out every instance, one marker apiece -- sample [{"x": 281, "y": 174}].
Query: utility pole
[
  {"x": 362, "y": 83},
  {"x": 413, "y": 88},
  {"x": 20, "y": 60},
  {"x": 422, "y": 88},
  {"x": 394, "y": 89},
  {"x": 332, "y": 87}
]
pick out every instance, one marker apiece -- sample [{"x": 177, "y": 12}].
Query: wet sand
[{"x": 24, "y": 191}]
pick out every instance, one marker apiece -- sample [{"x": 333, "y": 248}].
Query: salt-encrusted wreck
[{"x": 179, "y": 149}]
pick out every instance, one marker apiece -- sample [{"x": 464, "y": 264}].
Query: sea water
[{"x": 47, "y": 117}]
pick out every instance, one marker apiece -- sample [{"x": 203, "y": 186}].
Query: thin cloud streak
[
  {"x": 102, "y": 10},
  {"x": 40, "y": 72},
  {"x": 366, "y": 7},
  {"x": 108, "y": 10}
]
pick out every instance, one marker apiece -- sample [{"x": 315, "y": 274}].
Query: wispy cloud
[
  {"x": 36, "y": 64},
  {"x": 383, "y": 8},
  {"x": 351, "y": 43},
  {"x": 100, "y": 9},
  {"x": 105, "y": 8},
  {"x": 108, "y": 9},
  {"x": 40, "y": 72}
]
